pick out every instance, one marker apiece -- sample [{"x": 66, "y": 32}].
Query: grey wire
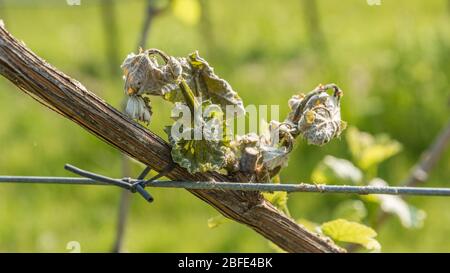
[
  {"x": 302, "y": 187},
  {"x": 291, "y": 188},
  {"x": 50, "y": 180},
  {"x": 97, "y": 177}
]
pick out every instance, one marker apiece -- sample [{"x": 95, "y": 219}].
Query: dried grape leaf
[
  {"x": 201, "y": 78},
  {"x": 316, "y": 115},
  {"x": 143, "y": 74},
  {"x": 321, "y": 120},
  {"x": 214, "y": 88}
]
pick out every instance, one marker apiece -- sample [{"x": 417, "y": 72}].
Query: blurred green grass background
[{"x": 392, "y": 61}]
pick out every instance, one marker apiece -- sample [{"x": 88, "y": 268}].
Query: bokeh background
[{"x": 392, "y": 61}]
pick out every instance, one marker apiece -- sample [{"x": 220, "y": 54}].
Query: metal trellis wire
[{"x": 138, "y": 185}]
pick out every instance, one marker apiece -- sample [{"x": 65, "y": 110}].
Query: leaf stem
[{"x": 191, "y": 101}]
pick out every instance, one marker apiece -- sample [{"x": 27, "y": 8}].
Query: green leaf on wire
[{"x": 351, "y": 232}]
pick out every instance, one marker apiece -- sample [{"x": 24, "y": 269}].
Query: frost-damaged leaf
[
  {"x": 351, "y": 232},
  {"x": 211, "y": 86},
  {"x": 336, "y": 170},
  {"x": 279, "y": 200},
  {"x": 317, "y": 115},
  {"x": 321, "y": 122},
  {"x": 409, "y": 216},
  {"x": 209, "y": 151},
  {"x": 199, "y": 155},
  {"x": 143, "y": 74},
  {"x": 275, "y": 144},
  {"x": 201, "y": 78},
  {"x": 368, "y": 150},
  {"x": 216, "y": 221}
]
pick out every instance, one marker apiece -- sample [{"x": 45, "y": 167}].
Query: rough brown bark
[{"x": 71, "y": 99}]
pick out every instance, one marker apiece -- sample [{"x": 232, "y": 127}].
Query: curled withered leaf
[
  {"x": 143, "y": 74},
  {"x": 321, "y": 120},
  {"x": 276, "y": 145},
  {"x": 317, "y": 116},
  {"x": 271, "y": 152},
  {"x": 173, "y": 69},
  {"x": 208, "y": 84},
  {"x": 200, "y": 77}
]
